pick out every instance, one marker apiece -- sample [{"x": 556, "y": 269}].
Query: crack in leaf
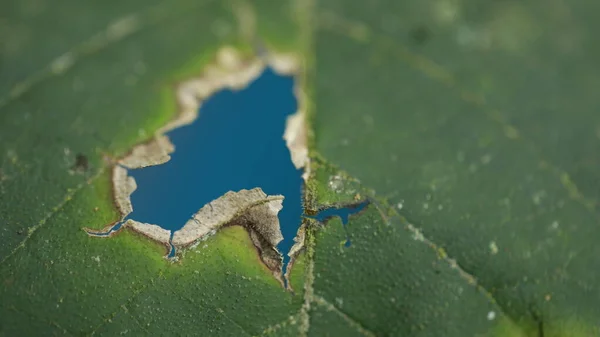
[{"x": 362, "y": 33}]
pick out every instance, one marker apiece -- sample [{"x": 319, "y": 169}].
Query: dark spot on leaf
[
  {"x": 19, "y": 231},
  {"x": 81, "y": 163},
  {"x": 420, "y": 35}
]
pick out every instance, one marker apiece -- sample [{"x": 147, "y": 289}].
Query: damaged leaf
[
  {"x": 251, "y": 209},
  {"x": 469, "y": 126}
]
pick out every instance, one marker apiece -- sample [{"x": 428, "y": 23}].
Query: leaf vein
[
  {"x": 453, "y": 263},
  {"x": 114, "y": 32},
  {"x": 351, "y": 321},
  {"x": 123, "y": 306},
  {"x": 362, "y": 33},
  {"x": 70, "y": 195}
]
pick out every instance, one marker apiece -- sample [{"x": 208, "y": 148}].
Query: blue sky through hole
[{"x": 235, "y": 143}]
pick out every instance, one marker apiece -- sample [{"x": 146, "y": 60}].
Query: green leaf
[
  {"x": 483, "y": 137},
  {"x": 468, "y": 126}
]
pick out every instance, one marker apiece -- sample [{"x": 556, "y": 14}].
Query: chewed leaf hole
[
  {"x": 235, "y": 143},
  {"x": 228, "y": 165}
]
